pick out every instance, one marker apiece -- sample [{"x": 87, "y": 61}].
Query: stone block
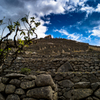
[
  {"x": 94, "y": 86},
  {"x": 42, "y": 92},
  {"x": 30, "y": 77},
  {"x": 4, "y": 80},
  {"x": 82, "y": 85},
  {"x": 77, "y": 94},
  {"x": 65, "y": 67},
  {"x": 19, "y": 91},
  {"x": 27, "y": 85},
  {"x": 15, "y": 75},
  {"x": 45, "y": 80},
  {"x": 10, "y": 89},
  {"x": 13, "y": 97},
  {"x": 15, "y": 82},
  {"x": 1, "y": 97},
  {"x": 2, "y": 87},
  {"x": 97, "y": 93},
  {"x": 66, "y": 83}
]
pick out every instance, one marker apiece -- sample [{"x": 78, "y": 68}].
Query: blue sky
[{"x": 70, "y": 19}]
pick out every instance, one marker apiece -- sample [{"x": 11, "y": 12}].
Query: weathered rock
[
  {"x": 14, "y": 75},
  {"x": 30, "y": 77},
  {"x": 97, "y": 93},
  {"x": 89, "y": 98},
  {"x": 60, "y": 93},
  {"x": 19, "y": 91},
  {"x": 86, "y": 64},
  {"x": 77, "y": 94},
  {"x": 13, "y": 97},
  {"x": 65, "y": 90},
  {"x": 15, "y": 82},
  {"x": 78, "y": 74},
  {"x": 1, "y": 97},
  {"x": 66, "y": 83},
  {"x": 93, "y": 78},
  {"x": 19, "y": 58},
  {"x": 84, "y": 80},
  {"x": 10, "y": 89},
  {"x": 95, "y": 98},
  {"x": 65, "y": 67},
  {"x": 5, "y": 80},
  {"x": 29, "y": 99},
  {"x": 58, "y": 77},
  {"x": 82, "y": 85},
  {"x": 62, "y": 98},
  {"x": 76, "y": 79},
  {"x": 55, "y": 96},
  {"x": 95, "y": 85},
  {"x": 45, "y": 80},
  {"x": 27, "y": 85},
  {"x": 0, "y": 79},
  {"x": 23, "y": 96},
  {"x": 2, "y": 87},
  {"x": 42, "y": 92}
]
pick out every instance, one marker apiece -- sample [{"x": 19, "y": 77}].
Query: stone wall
[
  {"x": 40, "y": 86},
  {"x": 76, "y": 85},
  {"x": 53, "y": 46},
  {"x": 27, "y": 87},
  {"x": 74, "y": 64}
]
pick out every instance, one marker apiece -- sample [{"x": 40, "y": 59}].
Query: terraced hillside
[
  {"x": 74, "y": 67},
  {"x": 52, "y": 54},
  {"x": 57, "y": 46}
]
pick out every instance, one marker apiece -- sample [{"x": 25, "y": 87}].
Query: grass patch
[{"x": 25, "y": 70}]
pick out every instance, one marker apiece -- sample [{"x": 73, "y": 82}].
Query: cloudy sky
[{"x": 71, "y": 19}]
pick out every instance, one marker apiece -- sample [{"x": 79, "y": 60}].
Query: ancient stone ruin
[
  {"x": 48, "y": 37},
  {"x": 27, "y": 87},
  {"x": 60, "y": 70}
]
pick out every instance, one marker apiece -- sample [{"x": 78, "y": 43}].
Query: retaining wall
[
  {"x": 49, "y": 64},
  {"x": 27, "y": 87},
  {"x": 71, "y": 85},
  {"x": 77, "y": 85}
]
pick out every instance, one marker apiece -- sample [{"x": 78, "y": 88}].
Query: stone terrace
[{"x": 74, "y": 67}]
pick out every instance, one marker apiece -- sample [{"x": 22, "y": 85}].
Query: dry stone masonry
[
  {"x": 77, "y": 85},
  {"x": 50, "y": 86},
  {"x": 76, "y": 62},
  {"x": 60, "y": 70},
  {"x": 16, "y": 86}
]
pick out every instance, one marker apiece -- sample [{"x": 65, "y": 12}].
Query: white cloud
[
  {"x": 45, "y": 7},
  {"x": 95, "y": 31},
  {"x": 71, "y": 5},
  {"x": 88, "y": 10},
  {"x": 98, "y": 8},
  {"x": 74, "y": 36},
  {"x": 18, "y": 8},
  {"x": 70, "y": 8},
  {"x": 77, "y": 2},
  {"x": 41, "y": 30},
  {"x": 70, "y": 36}
]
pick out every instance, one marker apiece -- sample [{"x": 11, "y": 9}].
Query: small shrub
[{"x": 25, "y": 70}]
